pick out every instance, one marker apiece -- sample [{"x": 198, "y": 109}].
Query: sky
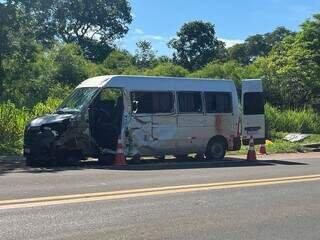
[{"x": 159, "y": 20}]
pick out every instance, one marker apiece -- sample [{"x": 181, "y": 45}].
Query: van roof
[{"x": 155, "y": 83}]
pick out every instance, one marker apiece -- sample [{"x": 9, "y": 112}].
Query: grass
[
  {"x": 282, "y": 146},
  {"x": 303, "y": 121}
]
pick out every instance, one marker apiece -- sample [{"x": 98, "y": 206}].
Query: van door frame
[
  {"x": 193, "y": 141},
  {"x": 91, "y": 138},
  {"x": 252, "y": 124},
  {"x": 166, "y": 143}
]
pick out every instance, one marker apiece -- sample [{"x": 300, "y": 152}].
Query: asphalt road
[{"x": 271, "y": 199}]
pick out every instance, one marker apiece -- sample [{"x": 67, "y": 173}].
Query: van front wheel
[
  {"x": 32, "y": 162},
  {"x": 216, "y": 149}
]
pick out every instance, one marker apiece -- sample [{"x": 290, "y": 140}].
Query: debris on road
[{"x": 295, "y": 137}]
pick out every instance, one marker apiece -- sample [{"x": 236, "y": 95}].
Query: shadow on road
[{"x": 17, "y": 164}]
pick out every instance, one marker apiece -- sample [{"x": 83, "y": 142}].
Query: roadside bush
[
  {"x": 303, "y": 121},
  {"x": 118, "y": 61},
  {"x": 13, "y": 121},
  {"x": 71, "y": 67},
  {"x": 59, "y": 91},
  {"x": 43, "y": 108},
  {"x": 228, "y": 70},
  {"x": 168, "y": 70}
]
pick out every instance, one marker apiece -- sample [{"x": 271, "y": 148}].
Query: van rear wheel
[{"x": 216, "y": 149}]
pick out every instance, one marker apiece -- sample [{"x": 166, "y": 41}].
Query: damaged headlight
[
  {"x": 55, "y": 133},
  {"x": 57, "y": 128}
]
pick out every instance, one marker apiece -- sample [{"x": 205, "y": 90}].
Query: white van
[{"x": 153, "y": 116}]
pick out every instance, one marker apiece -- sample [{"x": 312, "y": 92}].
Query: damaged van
[{"x": 151, "y": 116}]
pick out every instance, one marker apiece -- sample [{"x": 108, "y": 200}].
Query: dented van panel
[
  {"x": 146, "y": 140},
  {"x": 145, "y": 134}
]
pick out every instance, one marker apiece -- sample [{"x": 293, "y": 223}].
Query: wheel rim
[{"x": 217, "y": 150}]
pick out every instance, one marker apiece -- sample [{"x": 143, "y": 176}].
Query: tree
[
  {"x": 195, "y": 45},
  {"x": 70, "y": 64},
  {"x": 145, "y": 56},
  {"x": 28, "y": 75},
  {"x": 257, "y": 46},
  {"x": 276, "y": 36},
  {"x": 164, "y": 59},
  {"x": 7, "y": 30},
  {"x": 21, "y": 74},
  {"x": 239, "y": 53},
  {"x": 118, "y": 61},
  {"x": 221, "y": 53},
  {"x": 292, "y": 69},
  {"x": 94, "y": 25}
]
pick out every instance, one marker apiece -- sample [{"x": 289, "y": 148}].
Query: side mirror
[{"x": 135, "y": 106}]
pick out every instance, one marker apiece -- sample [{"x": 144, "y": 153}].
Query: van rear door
[{"x": 253, "y": 117}]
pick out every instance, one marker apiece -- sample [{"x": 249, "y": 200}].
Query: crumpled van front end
[{"x": 62, "y": 135}]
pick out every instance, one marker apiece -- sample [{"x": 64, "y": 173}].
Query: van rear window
[
  {"x": 218, "y": 102},
  {"x": 152, "y": 102},
  {"x": 253, "y": 103}
]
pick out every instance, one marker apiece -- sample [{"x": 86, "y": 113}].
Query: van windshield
[{"x": 77, "y": 100}]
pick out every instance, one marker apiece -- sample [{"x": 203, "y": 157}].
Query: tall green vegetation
[
  {"x": 13, "y": 121},
  {"x": 303, "y": 121},
  {"x": 167, "y": 69},
  {"x": 228, "y": 70}
]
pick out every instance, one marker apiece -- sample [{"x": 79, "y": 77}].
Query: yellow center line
[{"x": 100, "y": 196}]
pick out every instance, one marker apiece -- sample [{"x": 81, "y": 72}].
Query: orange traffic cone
[
  {"x": 251, "y": 152},
  {"x": 263, "y": 149},
  {"x": 120, "y": 159}
]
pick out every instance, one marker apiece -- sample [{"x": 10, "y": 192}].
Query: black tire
[
  {"x": 32, "y": 162},
  {"x": 216, "y": 149},
  {"x": 136, "y": 159},
  {"x": 66, "y": 158},
  {"x": 42, "y": 159},
  {"x": 106, "y": 159}
]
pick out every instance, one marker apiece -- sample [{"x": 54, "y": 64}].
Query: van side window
[
  {"x": 152, "y": 102},
  {"x": 142, "y": 102},
  {"x": 218, "y": 102},
  {"x": 190, "y": 102},
  {"x": 253, "y": 103},
  {"x": 163, "y": 102}
]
